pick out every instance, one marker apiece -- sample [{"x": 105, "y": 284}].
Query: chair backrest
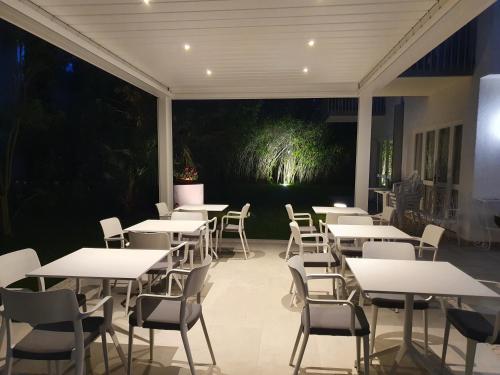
[
  {"x": 388, "y": 250},
  {"x": 387, "y": 214},
  {"x": 15, "y": 265},
  {"x": 151, "y": 241},
  {"x": 196, "y": 278},
  {"x": 340, "y": 205},
  {"x": 332, "y": 218},
  {"x": 187, "y": 215},
  {"x": 432, "y": 235},
  {"x": 289, "y": 211},
  {"x": 296, "y": 267},
  {"x": 40, "y": 307},
  {"x": 244, "y": 210},
  {"x": 111, "y": 227},
  {"x": 294, "y": 227},
  {"x": 162, "y": 209},
  {"x": 355, "y": 220}
]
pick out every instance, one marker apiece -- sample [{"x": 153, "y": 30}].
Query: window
[
  {"x": 442, "y": 155},
  {"x": 417, "y": 161},
  {"x": 457, "y": 153},
  {"x": 429, "y": 155}
]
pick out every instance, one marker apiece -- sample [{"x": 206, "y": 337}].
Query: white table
[
  {"x": 105, "y": 265},
  {"x": 170, "y": 226},
  {"x": 203, "y": 207},
  {"x": 382, "y": 193},
  {"x": 411, "y": 278},
  {"x": 379, "y": 232},
  {"x": 323, "y": 210}
]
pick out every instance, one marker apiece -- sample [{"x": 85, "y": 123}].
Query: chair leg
[
  {"x": 2, "y": 331},
  {"x": 7, "y": 370},
  {"x": 373, "y": 328},
  {"x": 469, "y": 356},
  {"x": 301, "y": 353},
  {"x": 296, "y": 345},
  {"x": 127, "y": 300},
  {"x": 130, "y": 344},
  {"x": 358, "y": 353},
  {"x": 246, "y": 240},
  {"x": 426, "y": 330},
  {"x": 187, "y": 349},
  {"x": 151, "y": 343},
  {"x": 287, "y": 255},
  {"x": 366, "y": 353},
  {"x": 204, "y": 326},
  {"x": 216, "y": 241},
  {"x": 243, "y": 244},
  {"x": 342, "y": 271},
  {"x": 105, "y": 350},
  {"x": 445, "y": 342}
]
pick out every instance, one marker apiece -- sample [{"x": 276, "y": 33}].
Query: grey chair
[
  {"x": 60, "y": 331},
  {"x": 476, "y": 327},
  {"x": 175, "y": 313},
  {"x": 397, "y": 251},
  {"x": 159, "y": 241},
  {"x": 13, "y": 268},
  {"x": 327, "y": 316}
]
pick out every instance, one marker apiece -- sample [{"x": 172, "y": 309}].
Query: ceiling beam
[
  {"x": 438, "y": 24},
  {"x": 32, "y": 18}
]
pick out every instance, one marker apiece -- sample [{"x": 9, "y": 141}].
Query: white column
[
  {"x": 363, "y": 146},
  {"x": 165, "y": 152}
]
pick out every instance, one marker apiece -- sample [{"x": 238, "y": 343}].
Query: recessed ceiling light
[
  {"x": 187, "y": 47},
  {"x": 305, "y": 70},
  {"x": 146, "y": 2},
  {"x": 209, "y": 72},
  {"x": 311, "y": 43}
]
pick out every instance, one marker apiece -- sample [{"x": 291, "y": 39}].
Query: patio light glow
[
  {"x": 146, "y": 2},
  {"x": 209, "y": 72},
  {"x": 311, "y": 43},
  {"x": 187, "y": 47},
  {"x": 305, "y": 70}
]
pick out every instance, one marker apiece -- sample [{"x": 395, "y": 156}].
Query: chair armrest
[
  {"x": 100, "y": 304},
  {"x": 140, "y": 297},
  {"x": 114, "y": 239},
  {"x": 232, "y": 213},
  {"x": 214, "y": 222},
  {"x": 351, "y": 305},
  {"x": 323, "y": 236},
  {"x": 496, "y": 283},
  {"x": 333, "y": 276},
  {"x": 179, "y": 246},
  {"x": 302, "y": 219}
]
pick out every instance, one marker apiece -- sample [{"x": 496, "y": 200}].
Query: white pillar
[
  {"x": 363, "y": 146},
  {"x": 165, "y": 152}
]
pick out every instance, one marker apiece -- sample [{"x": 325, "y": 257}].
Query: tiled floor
[{"x": 252, "y": 327}]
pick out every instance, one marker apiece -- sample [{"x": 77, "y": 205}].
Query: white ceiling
[{"x": 248, "y": 44}]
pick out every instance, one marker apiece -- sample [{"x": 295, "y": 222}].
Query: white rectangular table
[
  {"x": 171, "y": 226},
  {"x": 379, "y": 232},
  {"x": 410, "y": 278},
  {"x": 105, "y": 265},
  {"x": 203, "y": 207},
  {"x": 323, "y": 210}
]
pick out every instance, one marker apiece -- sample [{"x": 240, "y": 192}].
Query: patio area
[{"x": 252, "y": 326}]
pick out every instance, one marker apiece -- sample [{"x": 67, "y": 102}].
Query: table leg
[
  {"x": 207, "y": 237},
  {"x": 108, "y": 312}
]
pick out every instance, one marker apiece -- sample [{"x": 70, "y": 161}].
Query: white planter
[{"x": 188, "y": 194}]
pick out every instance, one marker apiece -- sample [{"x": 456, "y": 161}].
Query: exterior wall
[{"x": 458, "y": 104}]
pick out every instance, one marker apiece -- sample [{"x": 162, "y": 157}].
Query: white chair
[
  {"x": 396, "y": 251},
  {"x": 212, "y": 228},
  {"x": 14, "y": 266},
  {"x": 298, "y": 217},
  {"x": 239, "y": 228},
  {"x": 333, "y": 317},
  {"x": 163, "y": 211},
  {"x": 113, "y": 232},
  {"x": 158, "y": 241},
  {"x": 60, "y": 331},
  {"x": 325, "y": 259},
  {"x": 193, "y": 239},
  {"x": 385, "y": 217},
  {"x": 354, "y": 248},
  {"x": 430, "y": 240},
  {"x": 331, "y": 218},
  {"x": 172, "y": 313}
]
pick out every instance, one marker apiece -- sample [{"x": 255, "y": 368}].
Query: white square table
[
  {"x": 106, "y": 265},
  {"x": 203, "y": 207},
  {"x": 323, "y": 210},
  {"x": 370, "y": 232},
  {"x": 171, "y": 226},
  {"x": 409, "y": 278}
]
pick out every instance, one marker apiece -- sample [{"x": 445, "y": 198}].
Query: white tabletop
[
  {"x": 167, "y": 226},
  {"x": 92, "y": 263},
  {"x": 383, "y": 232},
  {"x": 416, "y": 277},
  {"x": 203, "y": 207},
  {"x": 339, "y": 210}
]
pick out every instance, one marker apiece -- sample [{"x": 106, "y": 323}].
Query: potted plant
[{"x": 187, "y": 190}]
